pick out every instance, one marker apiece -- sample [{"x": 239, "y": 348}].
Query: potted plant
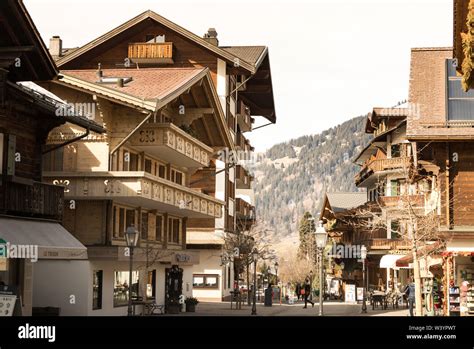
[
  {"x": 191, "y": 303},
  {"x": 173, "y": 307}
]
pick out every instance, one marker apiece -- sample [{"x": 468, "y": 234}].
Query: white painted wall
[
  {"x": 55, "y": 281},
  {"x": 210, "y": 263}
]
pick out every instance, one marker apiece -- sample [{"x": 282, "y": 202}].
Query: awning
[
  {"x": 389, "y": 260},
  {"x": 52, "y": 240},
  {"x": 421, "y": 253}
]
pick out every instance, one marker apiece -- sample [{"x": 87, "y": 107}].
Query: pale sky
[{"x": 331, "y": 59}]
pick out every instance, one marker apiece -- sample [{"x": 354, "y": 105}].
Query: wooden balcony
[
  {"x": 388, "y": 244},
  {"x": 151, "y": 53},
  {"x": 401, "y": 202},
  {"x": 243, "y": 143},
  {"x": 169, "y": 143},
  {"x": 379, "y": 165},
  {"x": 32, "y": 200},
  {"x": 245, "y": 214},
  {"x": 138, "y": 189},
  {"x": 244, "y": 119},
  {"x": 243, "y": 178}
]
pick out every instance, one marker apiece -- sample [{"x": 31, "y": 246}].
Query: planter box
[
  {"x": 173, "y": 309},
  {"x": 190, "y": 308}
]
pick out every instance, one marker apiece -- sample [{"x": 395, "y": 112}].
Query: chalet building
[
  {"x": 444, "y": 137},
  {"x": 175, "y": 106},
  {"x": 31, "y": 235},
  {"x": 419, "y": 166}
]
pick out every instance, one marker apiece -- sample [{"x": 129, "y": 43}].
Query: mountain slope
[{"x": 293, "y": 176}]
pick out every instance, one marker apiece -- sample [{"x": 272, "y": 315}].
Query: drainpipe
[
  {"x": 122, "y": 142},
  {"x": 67, "y": 142}
]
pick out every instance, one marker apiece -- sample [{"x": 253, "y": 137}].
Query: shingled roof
[{"x": 251, "y": 54}]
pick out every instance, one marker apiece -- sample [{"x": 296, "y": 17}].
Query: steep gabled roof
[
  {"x": 342, "y": 201},
  {"x": 150, "y": 89},
  {"x": 19, "y": 39},
  {"x": 221, "y": 53},
  {"x": 253, "y": 55}
]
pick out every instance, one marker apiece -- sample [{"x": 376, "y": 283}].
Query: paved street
[{"x": 330, "y": 309}]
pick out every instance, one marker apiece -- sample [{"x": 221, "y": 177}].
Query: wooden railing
[
  {"x": 381, "y": 165},
  {"x": 36, "y": 200},
  {"x": 244, "y": 209},
  {"x": 149, "y": 51},
  {"x": 402, "y": 201},
  {"x": 388, "y": 244},
  {"x": 243, "y": 177}
]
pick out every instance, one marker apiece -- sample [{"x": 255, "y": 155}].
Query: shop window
[
  {"x": 97, "y": 290},
  {"x": 122, "y": 289},
  {"x": 208, "y": 281}
]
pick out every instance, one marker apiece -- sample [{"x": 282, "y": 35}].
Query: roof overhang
[
  {"x": 20, "y": 39},
  {"x": 150, "y": 15}
]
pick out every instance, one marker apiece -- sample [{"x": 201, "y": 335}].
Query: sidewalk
[{"x": 330, "y": 309}]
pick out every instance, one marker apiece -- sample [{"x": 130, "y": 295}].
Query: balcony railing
[
  {"x": 36, "y": 200},
  {"x": 243, "y": 178},
  {"x": 378, "y": 165},
  {"x": 170, "y": 143},
  {"x": 243, "y": 117},
  {"x": 137, "y": 188},
  {"x": 243, "y": 143},
  {"x": 388, "y": 244},
  {"x": 143, "y": 52},
  {"x": 402, "y": 201},
  {"x": 244, "y": 209}
]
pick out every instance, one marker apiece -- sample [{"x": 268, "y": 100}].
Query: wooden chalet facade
[
  {"x": 31, "y": 209},
  {"x": 171, "y": 103}
]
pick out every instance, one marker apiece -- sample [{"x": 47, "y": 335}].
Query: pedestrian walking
[
  {"x": 307, "y": 292},
  {"x": 410, "y": 293},
  {"x": 298, "y": 290}
]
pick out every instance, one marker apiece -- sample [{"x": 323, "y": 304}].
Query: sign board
[
  {"x": 360, "y": 293},
  {"x": 7, "y": 305},
  {"x": 350, "y": 294}
]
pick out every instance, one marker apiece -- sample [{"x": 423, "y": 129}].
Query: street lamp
[
  {"x": 321, "y": 237},
  {"x": 255, "y": 258},
  {"x": 276, "y": 281},
  {"x": 131, "y": 237},
  {"x": 363, "y": 255}
]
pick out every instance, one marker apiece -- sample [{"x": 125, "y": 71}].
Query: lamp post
[
  {"x": 321, "y": 237},
  {"x": 131, "y": 237},
  {"x": 276, "y": 277},
  {"x": 363, "y": 255},
  {"x": 255, "y": 258}
]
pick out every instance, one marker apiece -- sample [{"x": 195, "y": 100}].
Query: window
[
  {"x": 97, "y": 290},
  {"x": 159, "y": 227},
  {"x": 231, "y": 189},
  {"x": 144, "y": 225},
  {"x": 130, "y": 161},
  {"x": 206, "y": 281},
  {"x": 460, "y": 103},
  {"x": 121, "y": 288},
  {"x": 394, "y": 230},
  {"x": 148, "y": 166},
  {"x": 177, "y": 176},
  {"x": 123, "y": 218},
  {"x": 162, "y": 171},
  {"x": 174, "y": 228},
  {"x": 394, "y": 188},
  {"x": 151, "y": 284},
  {"x": 395, "y": 150}
]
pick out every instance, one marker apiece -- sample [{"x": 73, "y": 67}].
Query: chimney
[
  {"x": 211, "y": 36},
  {"x": 56, "y": 46}
]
